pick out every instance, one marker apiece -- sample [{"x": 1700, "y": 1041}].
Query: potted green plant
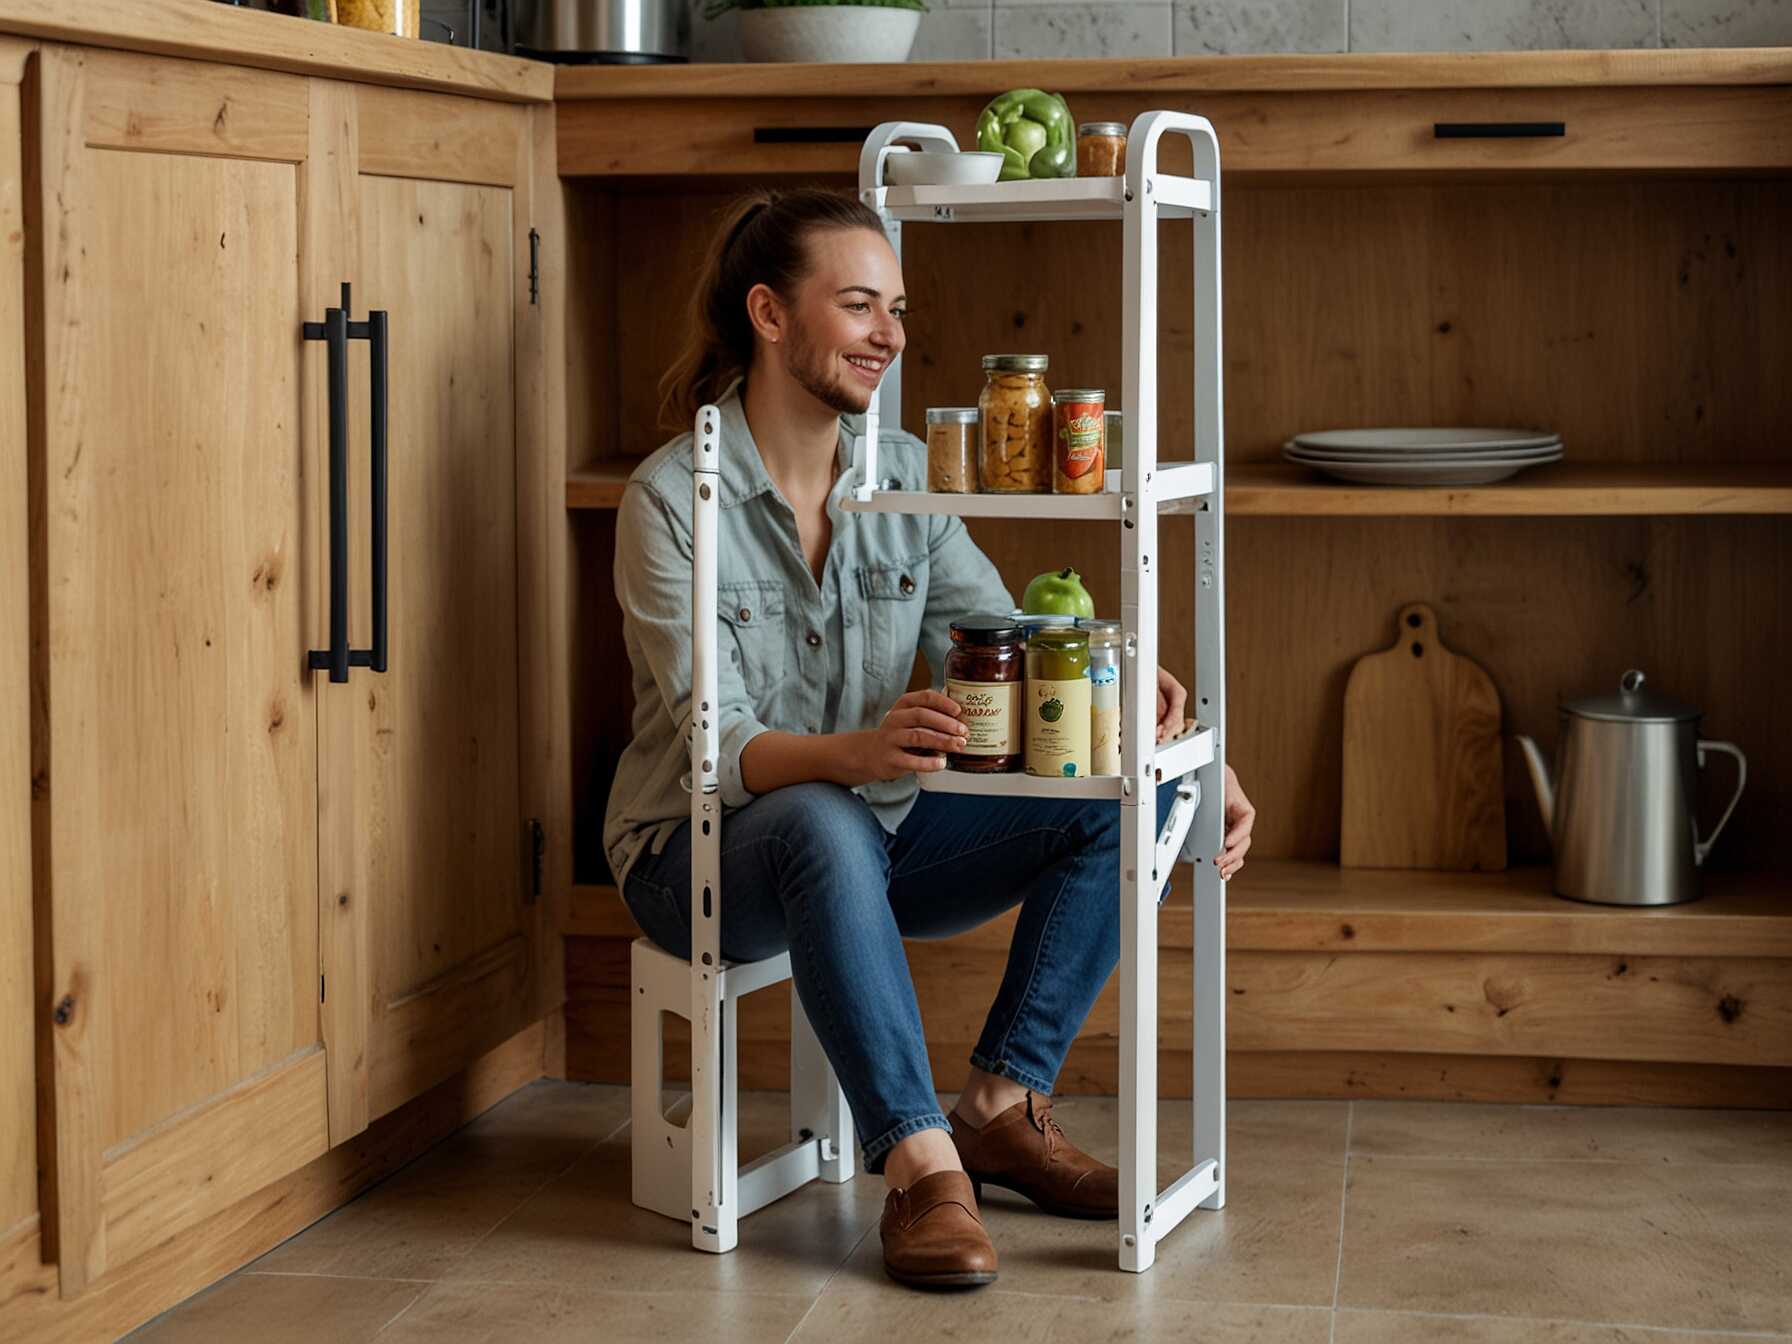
[{"x": 824, "y": 30}]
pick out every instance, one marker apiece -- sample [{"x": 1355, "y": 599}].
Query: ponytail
[{"x": 761, "y": 239}]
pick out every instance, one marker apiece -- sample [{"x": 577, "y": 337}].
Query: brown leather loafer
[
  {"x": 933, "y": 1236},
  {"x": 1023, "y": 1150}
]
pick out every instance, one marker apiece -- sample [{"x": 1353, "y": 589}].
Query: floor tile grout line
[
  {"x": 828, "y": 1282},
  {"x": 402, "y": 1310},
  {"x": 1343, "y": 1203},
  {"x": 1566, "y": 1320}
]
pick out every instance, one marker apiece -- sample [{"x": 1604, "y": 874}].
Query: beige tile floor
[{"x": 1346, "y": 1223}]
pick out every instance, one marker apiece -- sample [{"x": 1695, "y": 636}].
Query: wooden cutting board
[{"x": 1423, "y": 781}]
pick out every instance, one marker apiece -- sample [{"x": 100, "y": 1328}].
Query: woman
[{"x": 829, "y": 851}]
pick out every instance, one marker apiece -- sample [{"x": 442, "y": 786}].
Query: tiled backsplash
[
  {"x": 961, "y": 30},
  {"x": 964, "y": 30}
]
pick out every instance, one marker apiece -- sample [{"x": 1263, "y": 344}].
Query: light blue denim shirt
[{"x": 795, "y": 656}]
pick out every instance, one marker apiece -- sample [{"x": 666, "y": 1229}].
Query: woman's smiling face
[{"x": 844, "y": 323}]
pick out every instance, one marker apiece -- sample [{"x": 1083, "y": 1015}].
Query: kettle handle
[{"x": 1703, "y": 847}]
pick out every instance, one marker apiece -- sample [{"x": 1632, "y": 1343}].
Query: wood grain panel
[
  {"x": 542, "y": 648},
  {"x": 178, "y": 743},
  {"x": 191, "y": 107},
  {"x": 1560, "y": 489},
  {"x": 188, "y": 1261},
  {"x": 429, "y": 1033},
  {"x": 174, "y": 1177},
  {"x": 440, "y": 834},
  {"x": 1385, "y": 132},
  {"x": 18, "y": 1019},
  {"x": 406, "y": 134},
  {"x": 200, "y": 28},
  {"x": 1191, "y": 74},
  {"x": 330, "y": 249}
]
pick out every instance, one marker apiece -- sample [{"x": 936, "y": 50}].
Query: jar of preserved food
[
  {"x": 1079, "y": 433},
  {"x": 984, "y": 668},
  {"x": 1104, "y": 696},
  {"x": 401, "y": 18},
  {"x": 1115, "y": 446},
  {"x": 1031, "y": 622},
  {"x": 1015, "y": 453},
  {"x": 952, "y": 449},
  {"x": 1101, "y": 149},
  {"x": 1057, "y": 702}
]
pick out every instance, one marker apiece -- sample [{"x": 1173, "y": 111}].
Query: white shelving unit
[{"x": 1135, "y": 497}]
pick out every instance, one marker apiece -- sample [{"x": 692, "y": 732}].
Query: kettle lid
[{"x": 1633, "y": 704}]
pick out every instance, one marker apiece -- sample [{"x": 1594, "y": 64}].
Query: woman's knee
[{"x": 824, "y": 824}]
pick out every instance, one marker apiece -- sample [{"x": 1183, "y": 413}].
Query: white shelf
[
  {"x": 1189, "y": 752},
  {"x": 1176, "y": 483},
  {"x": 1063, "y": 198}
]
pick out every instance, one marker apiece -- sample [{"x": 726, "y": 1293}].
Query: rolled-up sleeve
[
  {"x": 653, "y": 583},
  {"x": 961, "y": 580}
]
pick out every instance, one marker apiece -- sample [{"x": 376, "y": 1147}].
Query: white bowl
[
  {"x": 935, "y": 168},
  {"x": 828, "y": 33}
]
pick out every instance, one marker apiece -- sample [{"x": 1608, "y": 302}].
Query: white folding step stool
[{"x": 693, "y": 1171}]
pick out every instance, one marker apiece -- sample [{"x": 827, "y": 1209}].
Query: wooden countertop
[
  {"x": 1195, "y": 74},
  {"x": 204, "y": 30}
]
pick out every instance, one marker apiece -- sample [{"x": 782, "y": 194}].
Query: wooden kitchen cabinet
[
  {"x": 18, "y": 1099},
  {"x": 433, "y": 957},
  {"x": 268, "y": 908}
]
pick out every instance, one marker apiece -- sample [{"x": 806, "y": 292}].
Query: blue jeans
[{"x": 809, "y": 870}]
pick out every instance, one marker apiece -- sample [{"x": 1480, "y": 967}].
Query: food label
[
  {"x": 1058, "y": 727},
  {"x": 1081, "y": 438},
  {"x": 1104, "y": 721},
  {"x": 991, "y": 716}
]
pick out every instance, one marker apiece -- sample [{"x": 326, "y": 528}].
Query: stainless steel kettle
[{"x": 1621, "y": 811}]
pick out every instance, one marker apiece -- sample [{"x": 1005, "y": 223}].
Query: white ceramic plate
[
  {"x": 1295, "y": 452},
  {"x": 1480, "y": 472},
  {"x": 937, "y": 168},
  {"x": 1425, "y": 440}
]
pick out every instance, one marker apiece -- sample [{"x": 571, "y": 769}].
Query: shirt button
[
  {"x": 814, "y": 640},
  {"x": 906, "y": 584},
  {"x": 745, "y": 614}
]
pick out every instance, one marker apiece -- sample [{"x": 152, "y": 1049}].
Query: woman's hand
[
  {"x": 920, "y": 721},
  {"x": 1240, "y": 817},
  {"x": 1170, "y": 700}
]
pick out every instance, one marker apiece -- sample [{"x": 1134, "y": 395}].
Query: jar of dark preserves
[{"x": 984, "y": 668}]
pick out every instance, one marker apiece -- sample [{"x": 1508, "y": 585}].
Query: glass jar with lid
[
  {"x": 1057, "y": 702},
  {"x": 952, "y": 449},
  {"x": 984, "y": 675},
  {"x": 1101, "y": 149},
  {"x": 1015, "y": 412},
  {"x": 1104, "y": 695}
]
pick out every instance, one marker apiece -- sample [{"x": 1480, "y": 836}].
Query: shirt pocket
[
  {"x": 895, "y": 597},
  {"x": 752, "y": 613}
]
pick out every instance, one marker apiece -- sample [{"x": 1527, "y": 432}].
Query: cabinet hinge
[
  {"x": 534, "y": 266},
  {"x": 538, "y": 852}
]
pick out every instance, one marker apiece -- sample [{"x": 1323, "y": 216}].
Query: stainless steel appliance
[
  {"x": 1622, "y": 808},
  {"x": 611, "y": 32}
]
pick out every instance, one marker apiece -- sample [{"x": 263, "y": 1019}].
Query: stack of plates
[{"x": 1423, "y": 456}]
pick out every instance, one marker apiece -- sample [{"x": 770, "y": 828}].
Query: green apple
[{"x": 1058, "y": 592}]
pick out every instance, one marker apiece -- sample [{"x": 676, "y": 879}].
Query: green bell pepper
[{"x": 1032, "y": 131}]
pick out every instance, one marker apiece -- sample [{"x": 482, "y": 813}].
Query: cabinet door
[
  {"x": 18, "y": 1093},
  {"x": 434, "y": 935},
  {"x": 175, "y": 557}
]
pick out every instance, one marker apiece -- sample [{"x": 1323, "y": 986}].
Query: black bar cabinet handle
[
  {"x": 337, "y": 331},
  {"x": 1498, "y": 130},
  {"x": 810, "y": 135},
  {"x": 377, "y": 348}
]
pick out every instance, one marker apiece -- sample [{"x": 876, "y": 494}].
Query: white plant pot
[{"x": 828, "y": 33}]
